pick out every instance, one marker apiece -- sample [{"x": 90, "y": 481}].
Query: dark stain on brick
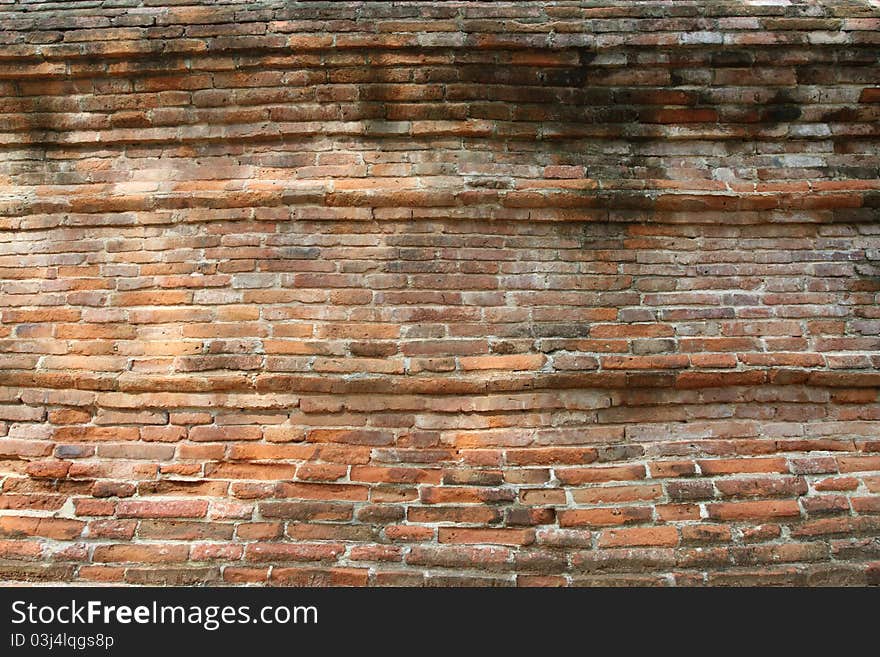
[
  {"x": 731, "y": 58},
  {"x": 570, "y": 76},
  {"x": 780, "y": 109}
]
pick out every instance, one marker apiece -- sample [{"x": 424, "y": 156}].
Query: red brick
[
  {"x": 617, "y": 494},
  {"x": 737, "y": 466},
  {"x": 162, "y": 509},
  {"x": 576, "y": 476},
  {"x": 283, "y": 552},
  {"x": 705, "y": 533},
  {"x": 762, "y": 510},
  {"x": 319, "y": 577},
  {"x": 518, "y": 362},
  {"x": 141, "y": 553},
  {"x": 639, "y": 536},
  {"x": 858, "y": 463},
  {"x": 603, "y": 517},
  {"x": 486, "y": 536},
  {"x": 56, "y": 528}
]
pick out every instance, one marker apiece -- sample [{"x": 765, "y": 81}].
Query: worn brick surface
[{"x": 558, "y": 293}]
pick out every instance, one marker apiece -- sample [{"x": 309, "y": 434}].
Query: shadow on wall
[
  {"x": 32, "y": 118},
  {"x": 536, "y": 107},
  {"x": 569, "y": 107}
]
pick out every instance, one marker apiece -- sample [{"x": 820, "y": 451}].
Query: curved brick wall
[{"x": 536, "y": 293}]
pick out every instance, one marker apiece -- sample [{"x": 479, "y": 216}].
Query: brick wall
[{"x": 454, "y": 293}]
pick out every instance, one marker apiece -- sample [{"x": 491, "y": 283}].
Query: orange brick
[{"x": 639, "y": 536}]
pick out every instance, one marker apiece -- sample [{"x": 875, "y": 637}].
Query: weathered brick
[
  {"x": 603, "y": 517},
  {"x": 754, "y": 510},
  {"x": 162, "y": 509},
  {"x": 639, "y": 536}
]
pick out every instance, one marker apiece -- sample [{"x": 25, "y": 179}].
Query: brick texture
[{"x": 464, "y": 293}]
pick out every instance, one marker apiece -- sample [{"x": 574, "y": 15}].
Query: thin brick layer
[{"x": 454, "y": 293}]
